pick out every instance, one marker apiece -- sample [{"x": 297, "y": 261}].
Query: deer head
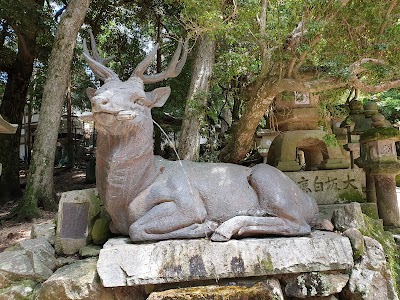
[{"x": 118, "y": 105}]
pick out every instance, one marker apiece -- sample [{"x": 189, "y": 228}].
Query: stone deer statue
[{"x": 153, "y": 199}]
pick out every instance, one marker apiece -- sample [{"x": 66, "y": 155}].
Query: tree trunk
[
  {"x": 13, "y": 102},
  {"x": 40, "y": 186},
  {"x": 189, "y": 142},
  {"x": 12, "y": 109},
  {"x": 236, "y": 100},
  {"x": 70, "y": 139},
  {"x": 28, "y": 136},
  {"x": 243, "y": 133}
]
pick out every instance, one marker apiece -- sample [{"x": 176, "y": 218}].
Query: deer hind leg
[
  {"x": 241, "y": 226},
  {"x": 167, "y": 221}
]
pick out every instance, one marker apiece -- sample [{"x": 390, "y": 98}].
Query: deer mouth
[
  {"x": 109, "y": 117},
  {"x": 126, "y": 115}
]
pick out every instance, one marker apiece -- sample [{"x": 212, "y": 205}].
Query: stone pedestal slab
[{"x": 122, "y": 263}]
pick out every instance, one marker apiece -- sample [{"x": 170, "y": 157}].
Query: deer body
[{"x": 151, "y": 198}]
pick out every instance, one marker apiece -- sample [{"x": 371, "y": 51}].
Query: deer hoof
[{"x": 218, "y": 237}]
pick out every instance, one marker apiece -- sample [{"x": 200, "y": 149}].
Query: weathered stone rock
[
  {"x": 27, "y": 260},
  {"x": 90, "y": 251},
  {"x": 41, "y": 251},
  {"x": 350, "y": 216},
  {"x": 20, "y": 265},
  {"x": 76, "y": 211},
  {"x": 79, "y": 281},
  {"x": 101, "y": 231},
  {"x": 357, "y": 241},
  {"x": 62, "y": 261},
  {"x": 24, "y": 289},
  {"x": 326, "y": 210},
  {"x": 45, "y": 230},
  {"x": 267, "y": 290},
  {"x": 122, "y": 263},
  {"x": 315, "y": 284},
  {"x": 73, "y": 281},
  {"x": 370, "y": 278}
]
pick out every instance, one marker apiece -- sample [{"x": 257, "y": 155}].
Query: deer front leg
[
  {"x": 251, "y": 225},
  {"x": 169, "y": 221}
]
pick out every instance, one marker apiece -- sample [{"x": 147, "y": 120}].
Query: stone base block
[
  {"x": 326, "y": 211},
  {"x": 332, "y": 186},
  {"x": 122, "y": 263}
]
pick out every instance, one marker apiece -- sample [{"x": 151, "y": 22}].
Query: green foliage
[
  {"x": 389, "y": 104},
  {"x": 330, "y": 140}
]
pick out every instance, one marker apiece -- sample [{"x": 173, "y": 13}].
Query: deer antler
[
  {"x": 174, "y": 68},
  {"x": 96, "y": 63}
]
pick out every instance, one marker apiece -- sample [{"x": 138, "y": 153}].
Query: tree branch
[
  {"x": 392, "y": 6},
  {"x": 356, "y": 69},
  {"x": 265, "y": 52},
  {"x": 305, "y": 53},
  {"x": 374, "y": 88},
  {"x": 313, "y": 86},
  {"x": 319, "y": 85}
]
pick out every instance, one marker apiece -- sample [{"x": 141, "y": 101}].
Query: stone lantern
[
  {"x": 266, "y": 136},
  {"x": 302, "y": 144},
  {"x": 378, "y": 153}
]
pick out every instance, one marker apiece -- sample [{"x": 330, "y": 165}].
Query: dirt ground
[{"x": 12, "y": 231}]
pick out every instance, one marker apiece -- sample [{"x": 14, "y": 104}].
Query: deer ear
[
  {"x": 90, "y": 92},
  {"x": 158, "y": 96}
]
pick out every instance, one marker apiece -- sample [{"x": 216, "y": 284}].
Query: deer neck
[{"x": 125, "y": 162}]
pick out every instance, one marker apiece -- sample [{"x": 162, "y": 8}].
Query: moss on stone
[
  {"x": 259, "y": 291},
  {"x": 100, "y": 231},
  {"x": 398, "y": 180},
  {"x": 348, "y": 196},
  {"x": 384, "y": 133},
  {"x": 20, "y": 290},
  {"x": 330, "y": 140},
  {"x": 370, "y": 209},
  {"x": 374, "y": 229},
  {"x": 267, "y": 263},
  {"x": 384, "y": 167}
]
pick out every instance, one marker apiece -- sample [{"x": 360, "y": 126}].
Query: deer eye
[{"x": 140, "y": 101}]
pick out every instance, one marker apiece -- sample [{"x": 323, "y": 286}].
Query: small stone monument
[{"x": 76, "y": 214}]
